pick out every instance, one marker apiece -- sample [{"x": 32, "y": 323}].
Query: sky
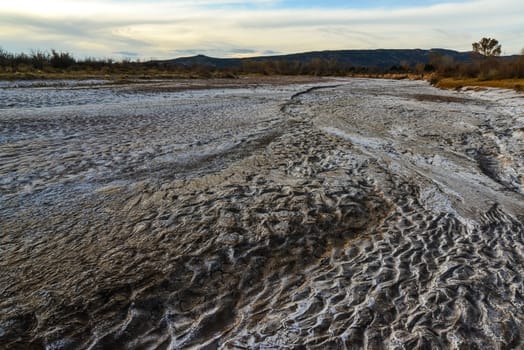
[{"x": 161, "y": 29}]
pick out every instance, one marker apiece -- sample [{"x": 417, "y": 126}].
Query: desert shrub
[
  {"x": 5, "y": 57},
  {"x": 517, "y": 67},
  {"x": 468, "y": 70},
  {"x": 435, "y": 79},
  {"x": 39, "y": 59},
  {"x": 202, "y": 71},
  {"x": 491, "y": 74},
  {"x": 61, "y": 59},
  {"x": 444, "y": 65}
]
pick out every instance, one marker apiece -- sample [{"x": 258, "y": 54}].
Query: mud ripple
[{"x": 327, "y": 219}]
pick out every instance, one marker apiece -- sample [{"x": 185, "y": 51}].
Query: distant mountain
[
  {"x": 202, "y": 60},
  {"x": 382, "y": 58}
]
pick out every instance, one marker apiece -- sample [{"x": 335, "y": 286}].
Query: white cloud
[{"x": 161, "y": 29}]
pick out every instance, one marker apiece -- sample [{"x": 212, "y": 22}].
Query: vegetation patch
[
  {"x": 458, "y": 83},
  {"x": 485, "y": 68}
]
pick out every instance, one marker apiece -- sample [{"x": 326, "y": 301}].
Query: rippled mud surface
[{"x": 346, "y": 214}]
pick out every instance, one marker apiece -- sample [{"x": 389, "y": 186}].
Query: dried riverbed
[{"x": 331, "y": 214}]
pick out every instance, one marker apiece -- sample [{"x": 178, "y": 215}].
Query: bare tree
[{"x": 487, "y": 47}]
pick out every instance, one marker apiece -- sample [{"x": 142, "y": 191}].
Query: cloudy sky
[{"x": 233, "y": 28}]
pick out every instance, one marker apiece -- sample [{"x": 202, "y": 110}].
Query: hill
[{"x": 381, "y": 58}]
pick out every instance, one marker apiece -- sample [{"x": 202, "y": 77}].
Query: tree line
[
  {"x": 485, "y": 64},
  {"x": 59, "y": 61}
]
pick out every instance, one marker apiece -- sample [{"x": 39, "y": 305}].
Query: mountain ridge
[{"x": 376, "y": 58}]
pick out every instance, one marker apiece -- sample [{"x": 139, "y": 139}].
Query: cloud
[
  {"x": 227, "y": 28},
  {"x": 243, "y": 51},
  {"x": 126, "y": 53},
  {"x": 220, "y": 50}
]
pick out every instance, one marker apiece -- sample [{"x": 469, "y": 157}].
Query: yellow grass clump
[{"x": 457, "y": 83}]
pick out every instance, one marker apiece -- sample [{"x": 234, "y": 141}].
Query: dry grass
[
  {"x": 123, "y": 75},
  {"x": 153, "y": 74},
  {"x": 99, "y": 74},
  {"x": 457, "y": 83}
]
